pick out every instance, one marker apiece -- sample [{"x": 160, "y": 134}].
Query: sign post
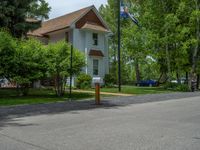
[
  {"x": 97, "y": 93},
  {"x": 97, "y": 81}
]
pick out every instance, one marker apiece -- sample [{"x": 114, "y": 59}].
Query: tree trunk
[
  {"x": 24, "y": 89},
  {"x": 162, "y": 78},
  {"x": 186, "y": 77},
  {"x": 178, "y": 78},
  {"x": 168, "y": 62},
  {"x": 194, "y": 56},
  {"x": 198, "y": 80},
  {"x": 62, "y": 86},
  {"x": 137, "y": 71},
  {"x": 57, "y": 85}
]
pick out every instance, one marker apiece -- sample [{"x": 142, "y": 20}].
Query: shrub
[
  {"x": 109, "y": 80},
  {"x": 170, "y": 85},
  {"x": 183, "y": 88},
  {"x": 177, "y": 87},
  {"x": 83, "y": 81}
]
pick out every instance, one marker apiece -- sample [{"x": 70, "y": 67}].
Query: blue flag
[
  {"x": 125, "y": 13},
  {"x": 123, "y": 10}
]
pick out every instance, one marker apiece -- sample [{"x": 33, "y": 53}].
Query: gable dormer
[{"x": 90, "y": 18}]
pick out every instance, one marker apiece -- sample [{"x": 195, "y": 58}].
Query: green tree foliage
[
  {"x": 133, "y": 41},
  {"x": 169, "y": 36},
  {"x": 21, "y": 61},
  {"x": 26, "y": 61},
  {"x": 109, "y": 80},
  {"x": 29, "y": 63},
  {"x": 58, "y": 61},
  {"x": 177, "y": 35},
  {"x": 14, "y": 15},
  {"x": 7, "y": 53}
]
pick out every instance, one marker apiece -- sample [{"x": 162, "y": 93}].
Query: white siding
[
  {"x": 102, "y": 45},
  {"x": 60, "y": 35},
  {"x": 79, "y": 39},
  {"x": 83, "y": 40}
]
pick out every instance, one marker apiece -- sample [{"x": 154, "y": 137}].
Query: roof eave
[
  {"x": 88, "y": 29},
  {"x": 46, "y": 33}
]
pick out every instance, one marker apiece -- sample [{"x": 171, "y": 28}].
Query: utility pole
[
  {"x": 119, "y": 47},
  {"x": 125, "y": 14}
]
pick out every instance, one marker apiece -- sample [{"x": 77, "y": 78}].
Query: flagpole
[{"x": 119, "y": 48}]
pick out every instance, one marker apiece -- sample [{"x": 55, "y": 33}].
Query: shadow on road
[{"x": 8, "y": 115}]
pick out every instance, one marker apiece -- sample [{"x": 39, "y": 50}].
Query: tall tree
[
  {"x": 20, "y": 16},
  {"x": 170, "y": 35},
  {"x": 195, "y": 22},
  {"x": 29, "y": 65},
  {"x": 58, "y": 62},
  {"x": 7, "y": 52}
]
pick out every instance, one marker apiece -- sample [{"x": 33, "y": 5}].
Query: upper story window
[{"x": 95, "y": 39}]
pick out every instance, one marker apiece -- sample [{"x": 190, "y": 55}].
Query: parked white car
[{"x": 183, "y": 80}]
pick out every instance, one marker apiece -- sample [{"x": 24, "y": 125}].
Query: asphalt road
[{"x": 163, "y": 125}]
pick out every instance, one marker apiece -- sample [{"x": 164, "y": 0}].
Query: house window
[
  {"x": 95, "y": 39},
  {"x": 95, "y": 67}
]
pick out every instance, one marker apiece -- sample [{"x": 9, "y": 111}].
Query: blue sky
[{"x": 61, "y": 7}]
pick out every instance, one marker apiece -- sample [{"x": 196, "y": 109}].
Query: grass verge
[
  {"x": 9, "y": 97},
  {"x": 136, "y": 90}
]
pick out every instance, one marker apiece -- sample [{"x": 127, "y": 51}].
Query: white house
[{"x": 87, "y": 31}]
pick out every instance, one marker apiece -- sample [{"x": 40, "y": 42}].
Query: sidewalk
[{"x": 103, "y": 93}]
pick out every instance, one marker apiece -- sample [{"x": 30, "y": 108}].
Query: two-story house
[{"x": 87, "y": 31}]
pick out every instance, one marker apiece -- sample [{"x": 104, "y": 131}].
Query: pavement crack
[{"x": 24, "y": 142}]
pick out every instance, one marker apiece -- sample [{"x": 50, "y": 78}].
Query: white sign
[{"x": 97, "y": 80}]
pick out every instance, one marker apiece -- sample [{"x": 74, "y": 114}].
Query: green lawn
[
  {"x": 8, "y": 97},
  {"x": 137, "y": 90}
]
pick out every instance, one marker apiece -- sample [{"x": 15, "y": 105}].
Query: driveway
[{"x": 150, "y": 122}]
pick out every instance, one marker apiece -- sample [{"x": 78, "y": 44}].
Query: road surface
[{"x": 170, "y": 124}]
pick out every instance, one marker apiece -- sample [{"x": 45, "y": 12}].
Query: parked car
[
  {"x": 182, "y": 81},
  {"x": 147, "y": 83}
]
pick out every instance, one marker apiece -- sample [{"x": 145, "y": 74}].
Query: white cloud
[{"x": 61, "y": 7}]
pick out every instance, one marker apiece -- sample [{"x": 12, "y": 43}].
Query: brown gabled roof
[
  {"x": 59, "y": 22},
  {"x": 96, "y": 53},
  {"x": 95, "y": 27}
]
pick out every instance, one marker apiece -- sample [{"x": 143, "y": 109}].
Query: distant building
[{"x": 87, "y": 31}]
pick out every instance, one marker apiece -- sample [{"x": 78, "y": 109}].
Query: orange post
[{"x": 97, "y": 93}]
